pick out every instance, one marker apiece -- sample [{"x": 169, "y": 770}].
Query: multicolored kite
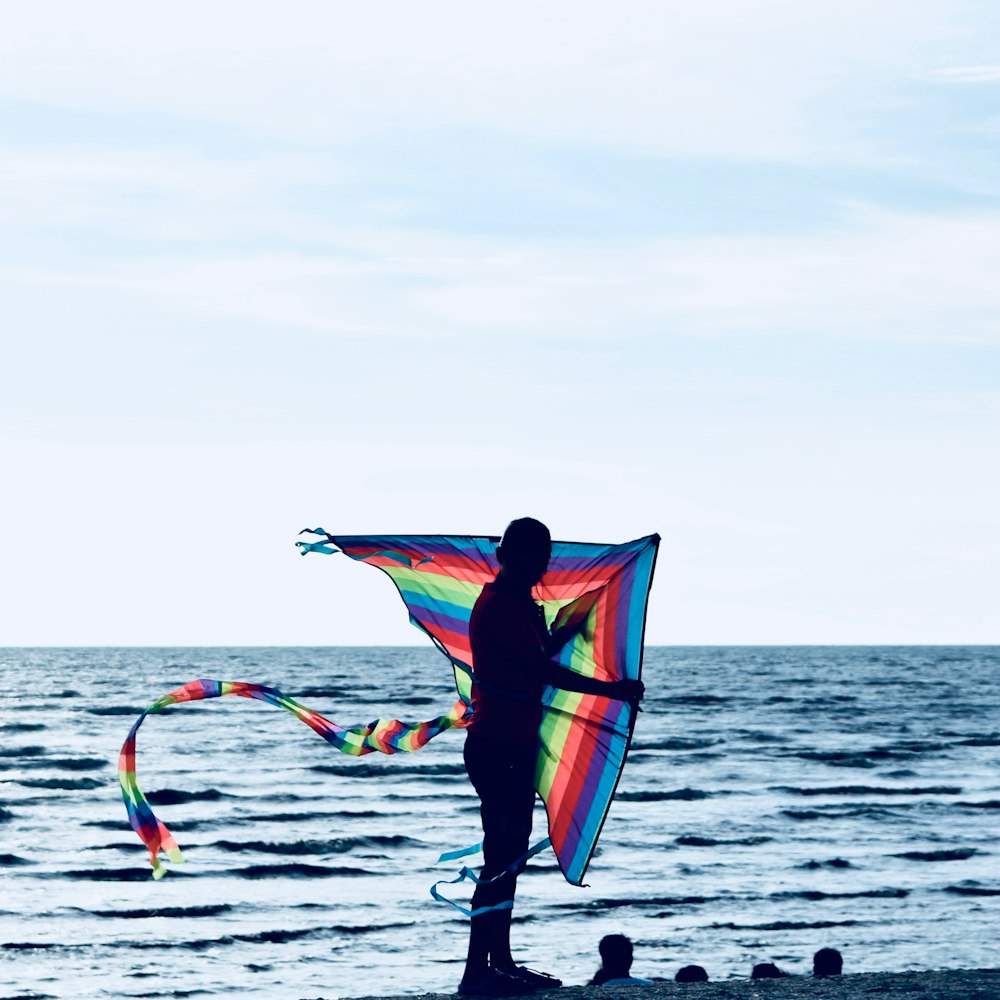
[{"x": 583, "y": 738}]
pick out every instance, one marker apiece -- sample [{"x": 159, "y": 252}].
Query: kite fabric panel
[{"x": 583, "y": 738}]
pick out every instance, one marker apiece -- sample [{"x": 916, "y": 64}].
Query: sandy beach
[{"x": 956, "y": 984}]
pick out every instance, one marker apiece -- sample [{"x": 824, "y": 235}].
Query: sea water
[{"x": 775, "y": 800}]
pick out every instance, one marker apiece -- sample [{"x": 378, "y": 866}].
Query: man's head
[
  {"x": 616, "y": 954},
  {"x": 524, "y": 551}
]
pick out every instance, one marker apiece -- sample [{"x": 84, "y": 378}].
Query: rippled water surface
[{"x": 775, "y": 800}]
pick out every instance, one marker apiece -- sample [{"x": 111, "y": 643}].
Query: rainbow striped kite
[{"x": 583, "y": 739}]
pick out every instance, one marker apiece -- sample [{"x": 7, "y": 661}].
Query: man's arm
[
  {"x": 524, "y": 655},
  {"x": 568, "y": 680}
]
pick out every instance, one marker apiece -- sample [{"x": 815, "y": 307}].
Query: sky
[{"x": 724, "y": 271}]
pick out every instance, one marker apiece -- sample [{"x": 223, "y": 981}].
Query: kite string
[{"x": 467, "y": 873}]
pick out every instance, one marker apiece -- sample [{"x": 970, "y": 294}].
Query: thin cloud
[
  {"x": 879, "y": 277},
  {"x": 968, "y": 74}
]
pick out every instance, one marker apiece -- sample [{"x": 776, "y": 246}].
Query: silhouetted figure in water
[
  {"x": 511, "y": 646},
  {"x": 767, "y": 970},
  {"x": 828, "y": 962},
  {"x": 616, "y": 963},
  {"x": 691, "y": 974}
]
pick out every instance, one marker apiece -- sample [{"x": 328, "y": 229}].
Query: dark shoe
[
  {"x": 496, "y": 984},
  {"x": 536, "y": 980}
]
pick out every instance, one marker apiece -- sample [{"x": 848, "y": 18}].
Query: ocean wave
[
  {"x": 847, "y": 758},
  {"x": 787, "y": 925},
  {"x": 5, "y": 814},
  {"x": 677, "y": 743},
  {"x": 988, "y": 804},
  {"x": 832, "y": 863},
  {"x": 762, "y": 736},
  {"x": 21, "y": 727},
  {"x": 173, "y": 796},
  {"x": 182, "y": 912},
  {"x": 953, "y": 854},
  {"x": 12, "y": 861},
  {"x": 281, "y": 936},
  {"x": 104, "y": 874},
  {"x": 56, "y": 763},
  {"x": 113, "y": 824},
  {"x": 869, "y": 790},
  {"x": 30, "y": 751},
  {"x": 338, "y": 845},
  {"x": 76, "y": 763},
  {"x": 972, "y": 888},
  {"x": 640, "y": 901},
  {"x": 164, "y": 993},
  {"x": 253, "y": 819},
  {"x": 903, "y": 747},
  {"x": 399, "y": 768},
  {"x": 323, "y": 692},
  {"x": 871, "y": 809},
  {"x": 690, "y": 840},
  {"x": 62, "y": 784},
  {"x": 993, "y": 740},
  {"x": 348, "y": 768},
  {"x": 694, "y": 699},
  {"x": 815, "y": 894},
  {"x": 118, "y": 710},
  {"x": 684, "y": 794},
  {"x": 407, "y": 768},
  {"x": 296, "y": 870}
]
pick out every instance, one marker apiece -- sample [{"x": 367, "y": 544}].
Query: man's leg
[{"x": 503, "y": 777}]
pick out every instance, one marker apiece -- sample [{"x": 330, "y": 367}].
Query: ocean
[{"x": 775, "y": 800}]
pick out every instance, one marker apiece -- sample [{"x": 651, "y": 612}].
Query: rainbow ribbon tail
[{"x": 386, "y": 736}]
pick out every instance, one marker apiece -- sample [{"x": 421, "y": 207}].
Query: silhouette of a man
[{"x": 511, "y": 646}]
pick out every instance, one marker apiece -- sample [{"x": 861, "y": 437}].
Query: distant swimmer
[
  {"x": 767, "y": 970},
  {"x": 828, "y": 962},
  {"x": 691, "y": 974},
  {"x": 616, "y": 963}
]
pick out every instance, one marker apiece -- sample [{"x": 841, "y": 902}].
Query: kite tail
[{"x": 383, "y": 735}]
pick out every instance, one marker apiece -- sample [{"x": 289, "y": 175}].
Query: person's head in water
[
  {"x": 524, "y": 552},
  {"x": 767, "y": 970},
  {"x": 691, "y": 974},
  {"x": 827, "y": 962},
  {"x": 616, "y": 956}
]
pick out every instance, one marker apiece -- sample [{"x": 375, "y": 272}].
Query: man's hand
[
  {"x": 631, "y": 691},
  {"x": 561, "y": 636}
]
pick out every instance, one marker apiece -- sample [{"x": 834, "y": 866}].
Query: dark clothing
[
  {"x": 508, "y": 637},
  {"x": 503, "y": 775}
]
